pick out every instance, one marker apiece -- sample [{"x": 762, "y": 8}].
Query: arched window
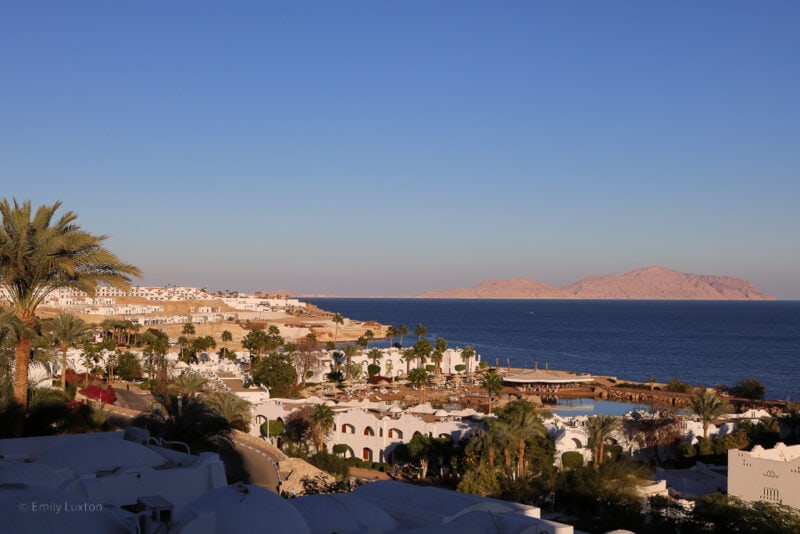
[
  {"x": 380, "y": 432},
  {"x": 395, "y": 433},
  {"x": 578, "y": 444},
  {"x": 366, "y": 454},
  {"x": 348, "y": 429},
  {"x": 417, "y": 433},
  {"x": 368, "y": 431}
]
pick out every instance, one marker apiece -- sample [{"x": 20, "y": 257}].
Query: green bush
[
  {"x": 460, "y": 368},
  {"x": 749, "y": 388},
  {"x": 276, "y": 428},
  {"x": 676, "y": 386},
  {"x": 572, "y": 460},
  {"x": 340, "y": 448},
  {"x": 72, "y": 389},
  {"x": 331, "y": 463},
  {"x": 373, "y": 369},
  {"x": 483, "y": 365}
]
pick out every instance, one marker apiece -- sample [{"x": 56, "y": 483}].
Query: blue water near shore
[{"x": 703, "y": 343}]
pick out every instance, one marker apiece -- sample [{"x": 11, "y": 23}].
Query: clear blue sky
[{"x": 397, "y": 147}]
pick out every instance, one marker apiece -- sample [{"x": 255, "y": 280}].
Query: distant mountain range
[{"x": 649, "y": 283}]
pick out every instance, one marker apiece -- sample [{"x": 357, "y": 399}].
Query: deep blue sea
[{"x": 700, "y": 342}]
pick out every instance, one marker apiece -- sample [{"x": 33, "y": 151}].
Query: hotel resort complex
[{"x": 383, "y": 403}]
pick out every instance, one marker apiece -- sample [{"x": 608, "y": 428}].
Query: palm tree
[
  {"x": 468, "y": 354},
  {"x": 191, "y": 383},
  {"x": 374, "y": 354},
  {"x": 67, "y": 329},
  {"x": 493, "y": 384},
  {"x": 232, "y": 407},
  {"x": 422, "y": 349},
  {"x": 708, "y": 406},
  {"x": 440, "y": 346},
  {"x": 337, "y": 320},
  {"x": 39, "y": 255},
  {"x": 418, "y": 378},
  {"x": 420, "y": 331},
  {"x": 349, "y": 352},
  {"x": 391, "y": 333},
  {"x": 409, "y": 355},
  {"x": 599, "y": 428},
  {"x": 227, "y": 337},
  {"x": 369, "y": 335},
  {"x": 403, "y": 331},
  {"x": 523, "y": 426},
  {"x": 321, "y": 423}
]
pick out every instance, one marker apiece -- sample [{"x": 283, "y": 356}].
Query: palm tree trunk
[
  {"x": 491, "y": 457},
  {"x": 521, "y": 459},
  {"x": 64, "y": 366},
  {"x": 22, "y": 360}
]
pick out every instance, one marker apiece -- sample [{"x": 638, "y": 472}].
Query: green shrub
[
  {"x": 330, "y": 463},
  {"x": 340, "y": 448},
  {"x": 276, "y": 428},
  {"x": 749, "y": 388},
  {"x": 373, "y": 369},
  {"x": 483, "y": 365},
  {"x": 676, "y": 386},
  {"x": 460, "y": 368},
  {"x": 572, "y": 460}
]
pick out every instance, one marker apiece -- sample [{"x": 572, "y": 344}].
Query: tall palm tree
[
  {"x": 409, "y": 355},
  {"x": 68, "y": 330},
  {"x": 468, "y": 354},
  {"x": 391, "y": 333},
  {"x": 599, "y": 429},
  {"x": 420, "y": 331},
  {"x": 321, "y": 423},
  {"x": 708, "y": 406},
  {"x": 375, "y": 354},
  {"x": 440, "y": 346},
  {"x": 493, "y": 384},
  {"x": 40, "y": 254},
  {"x": 523, "y": 425},
  {"x": 402, "y": 331},
  {"x": 369, "y": 335},
  {"x": 349, "y": 352},
  {"x": 422, "y": 349},
  {"x": 337, "y": 320}
]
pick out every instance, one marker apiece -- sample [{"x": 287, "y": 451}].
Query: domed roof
[
  {"x": 395, "y": 409},
  {"x": 241, "y": 508},
  {"x": 37, "y": 509},
  {"x": 101, "y": 454},
  {"x": 442, "y": 413},
  {"x": 343, "y": 512}
]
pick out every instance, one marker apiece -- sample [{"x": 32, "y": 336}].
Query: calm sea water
[{"x": 703, "y": 343}]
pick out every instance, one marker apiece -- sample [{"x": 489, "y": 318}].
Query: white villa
[
  {"x": 771, "y": 475},
  {"x": 371, "y": 430}
]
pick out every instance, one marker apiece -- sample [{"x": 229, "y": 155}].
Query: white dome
[
  {"x": 342, "y": 512},
  {"x": 442, "y": 413},
  {"x": 241, "y": 508}
]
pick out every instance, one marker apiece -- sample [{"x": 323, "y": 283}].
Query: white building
[
  {"x": 771, "y": 475},
  {"x": 371, "y": 430}
]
